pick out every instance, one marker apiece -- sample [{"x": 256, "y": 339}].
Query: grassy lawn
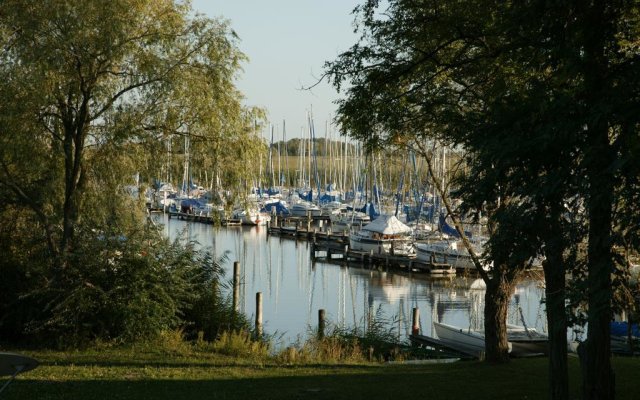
[{"x": 145, "y": 374}]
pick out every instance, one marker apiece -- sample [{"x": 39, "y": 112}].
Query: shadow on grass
[
  {"x": 525, "y": 379},
  {"x": 382, "y": 385}
]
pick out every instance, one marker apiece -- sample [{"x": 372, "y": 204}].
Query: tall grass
[{"x": 375, "y": 340}]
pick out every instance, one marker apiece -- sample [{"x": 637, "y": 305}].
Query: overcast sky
[{"x": 287, "y": 42}]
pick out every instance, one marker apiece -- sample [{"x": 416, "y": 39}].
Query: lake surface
[{"x": 294, "y": 287}]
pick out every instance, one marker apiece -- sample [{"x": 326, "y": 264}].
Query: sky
[{"x": 287, "y": 43}]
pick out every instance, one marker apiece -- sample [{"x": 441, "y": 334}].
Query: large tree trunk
[
  {"x": 497, "y": 297},
  {"x": 554, "y": 273},
  {"x": 599, "y": 159},
  {"x": 599, "y": 380}
]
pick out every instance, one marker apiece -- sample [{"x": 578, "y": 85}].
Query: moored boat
[
  {"x": 346, "y": 221},
  {"x": 447, "y": 251},
  {"x": 252, "y": 217},
  {"x": 384, "y": 235},
  {"x": 305, "y": 208}
]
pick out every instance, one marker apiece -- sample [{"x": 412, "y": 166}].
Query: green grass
[{"x": 146, "y": 373}]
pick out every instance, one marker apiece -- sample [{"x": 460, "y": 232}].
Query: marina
[{"x": 297, "y": 277}]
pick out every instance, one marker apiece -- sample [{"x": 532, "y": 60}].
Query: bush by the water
[{"x": 115, "y": 286}]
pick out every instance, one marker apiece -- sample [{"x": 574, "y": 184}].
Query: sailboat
[
  {"x": 384, "y": 235},
  {"x": 449, "y": 249}
]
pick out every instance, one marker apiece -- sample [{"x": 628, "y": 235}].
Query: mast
[
  {"x": 271, "y": 171},
  {"x": 280, "y": 143}
]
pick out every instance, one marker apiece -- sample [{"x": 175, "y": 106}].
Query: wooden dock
[
  {"x": 204, "y": 218},
  {"x": 339, "y": 250}
]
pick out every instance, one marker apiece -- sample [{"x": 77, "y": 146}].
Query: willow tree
[
  {"x": 91, "y": 76},
  {"x": 91, "y": 89}
]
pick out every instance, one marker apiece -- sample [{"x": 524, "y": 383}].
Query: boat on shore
[
  {"x": 465, "y": 340},
  {"x": 527, "y": 341},
  {"x": 523, "y": 341}
]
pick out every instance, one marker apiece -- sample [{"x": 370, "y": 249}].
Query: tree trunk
[
  {"x": 554, "y": 273},
  {"x": 599, "y": 378},
  {"x": 497, "y": 297},
  {"x": 599, "y": 158}
]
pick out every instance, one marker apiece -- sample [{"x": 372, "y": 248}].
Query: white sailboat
[
  {"x": 252, "y": 216},
  {"x": 346, "y": 222},
  {"x": 447, "y": 251},
  {"x": 384, "y": 235},
  {"x": 305, "y": 208}
]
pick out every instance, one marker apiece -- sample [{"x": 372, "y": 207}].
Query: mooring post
[
  {"x": 259, "y": 315},
  {"x": 236, "y": 286},
  {"x": 321, "y": 323},
  {"x": 415, "y": 330}
]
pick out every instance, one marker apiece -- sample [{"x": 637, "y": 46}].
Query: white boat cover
[{"x": 387, "y": 225}]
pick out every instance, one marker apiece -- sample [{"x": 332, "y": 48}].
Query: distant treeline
[{"x": 322, "y": 147}]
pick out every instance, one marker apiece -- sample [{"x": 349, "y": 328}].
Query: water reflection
[{"x": 294, "y": 287}]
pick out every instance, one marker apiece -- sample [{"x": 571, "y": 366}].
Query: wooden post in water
[
  {"x": 415, "y": 329},
  {"x": 259, "y": 315},
  {"x": 236, "y": 286},
  {"x": 321, "y": 323}
]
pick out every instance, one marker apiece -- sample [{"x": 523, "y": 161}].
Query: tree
[
  {"x": 414, "y": 78},
  {"x": 539, "y": 95},
  {"x": 94, "y": 75},
  {"x": 95, "y": 87}
]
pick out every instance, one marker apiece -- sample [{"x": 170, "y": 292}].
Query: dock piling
[
  {"x": 415, "y": 329},
  {"x": 236, "y": 286},
  {"x": 258, "y": 315},
  {"x": 321, "y": 323}
]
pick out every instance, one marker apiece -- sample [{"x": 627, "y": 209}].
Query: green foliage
[
  {"x": 97, "y": 90},
  {"x": 121, "y": 287}
]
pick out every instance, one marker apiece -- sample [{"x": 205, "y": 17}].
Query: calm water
[{"x": 294, "y": 287}]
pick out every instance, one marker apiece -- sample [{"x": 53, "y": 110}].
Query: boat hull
[
  {"x": 303, "y": 210},
  {"x": 378, "y": 246},
  {"x": 441, "y": 254},
  {"x": 468, "y": 341}
]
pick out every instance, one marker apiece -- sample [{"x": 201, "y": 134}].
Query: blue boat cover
[
  {"x": 449, "y": 230},
  {"x": 620, "y": 329}
]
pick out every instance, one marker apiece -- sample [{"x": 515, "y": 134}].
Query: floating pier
[
  {"x": 204, "y": 218},
  {"x": 338, "y": 249}
]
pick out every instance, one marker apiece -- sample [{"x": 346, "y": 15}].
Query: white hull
[
  {"x": 463, "y": 339},
  {"x": 257, "y": 219},
  {"x": 252, "y": 217},
  {"x": 303, "y": 209},
  {"x": 359, "y": 242},
  {"x": 348, "y": 221},
  {"x": 444, "y": 253}
]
